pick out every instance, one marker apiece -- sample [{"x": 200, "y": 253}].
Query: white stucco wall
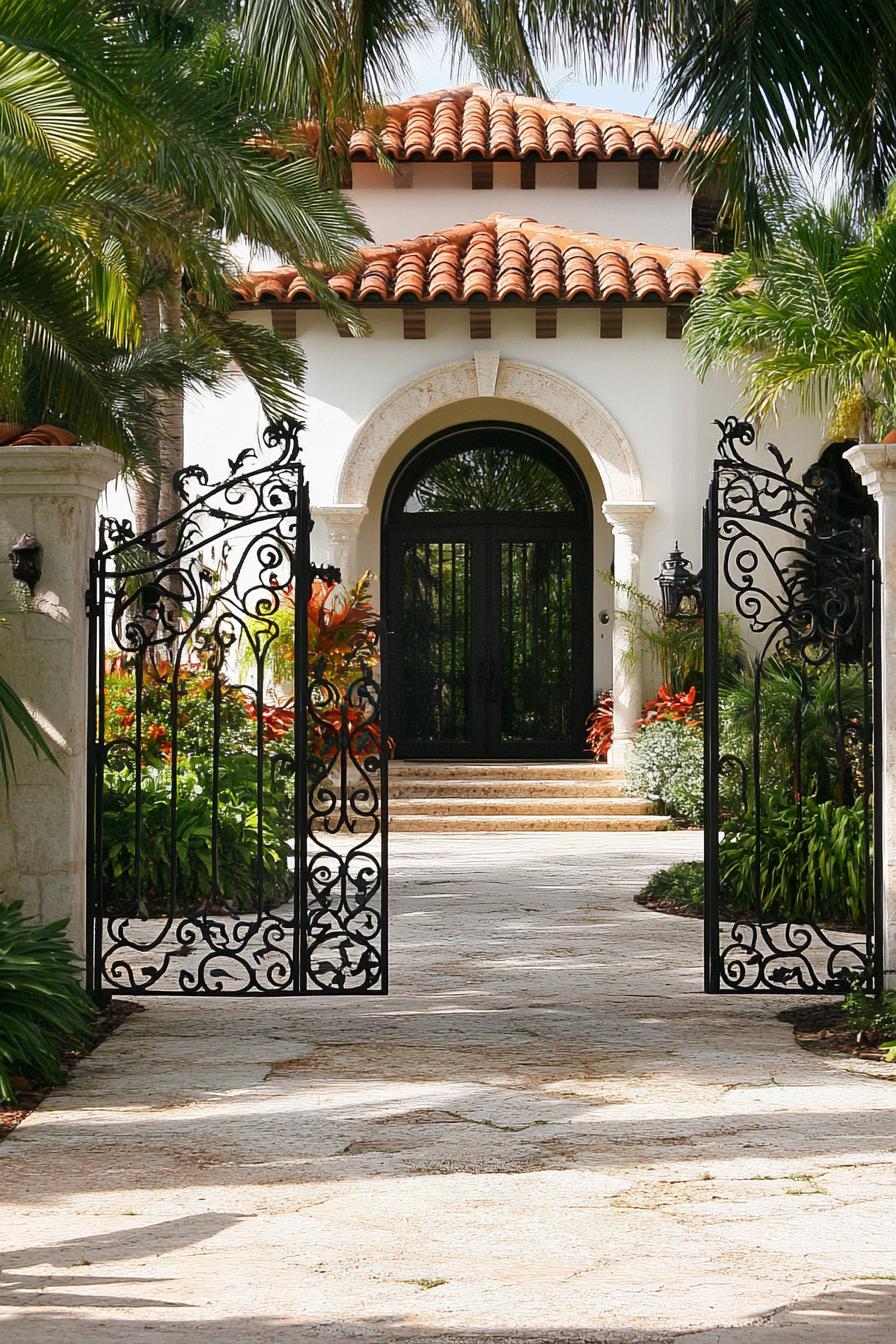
[{"x": 441, "y": 195}]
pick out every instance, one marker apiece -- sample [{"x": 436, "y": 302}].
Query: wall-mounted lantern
[
  {"x": 26, "y": 559},
  {"x": 680, "y": 588}
]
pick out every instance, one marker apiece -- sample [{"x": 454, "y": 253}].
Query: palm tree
[
  {"x": 812, "y": 317},
  {"x": 125, "y": 170},
  {"x": 764, "y": 83}
]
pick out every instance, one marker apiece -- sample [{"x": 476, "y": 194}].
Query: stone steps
[
  {"x": 514, "y": 796},
  {"x": 434, "y": 788},
  {"x": 448, "y": 805},
  {"x": 434, "y": 822},
  {"x": 517, "y": 770}
]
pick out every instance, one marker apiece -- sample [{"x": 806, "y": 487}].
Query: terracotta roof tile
[
  {"x": 501, "y": 259},
  {"x": 477, "y": 122},
  {"x": 46, "y": 436}
]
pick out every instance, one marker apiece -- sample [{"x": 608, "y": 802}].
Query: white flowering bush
[{"x": 666, "y": 766}]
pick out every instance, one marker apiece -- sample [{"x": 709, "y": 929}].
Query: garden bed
[
  {"x": 823, "y": 1029},
  {"x": 29, "y": 1097}
]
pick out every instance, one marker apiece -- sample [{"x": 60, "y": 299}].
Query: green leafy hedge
[
  {"x": 43, "y": 1008},
  {"x": 237, "y": 839}
]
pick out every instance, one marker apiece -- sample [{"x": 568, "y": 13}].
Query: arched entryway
[{"x": 487, "y": 569}]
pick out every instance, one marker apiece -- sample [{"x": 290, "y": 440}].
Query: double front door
[{"x": 488, "y": 628}]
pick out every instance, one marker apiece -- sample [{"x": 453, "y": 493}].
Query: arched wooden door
[{"x": 487, "y": 565}]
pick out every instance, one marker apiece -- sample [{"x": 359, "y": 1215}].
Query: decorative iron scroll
[
  {"x": 212, "y": 752},
  {"x": 801, "y": 577},
  {"x": 344, "y": 918}
]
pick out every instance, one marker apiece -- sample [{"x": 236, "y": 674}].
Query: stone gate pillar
[
  {"x": 627, "y": 519},
  {"x": 876, "y": 464},
  {"x": 51, "y": 492}
]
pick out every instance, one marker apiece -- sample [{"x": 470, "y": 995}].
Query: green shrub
[
  {"x": 791, "y": 691},
  {"x": 666, "y": 766},
  {"x": 237, "y": 839},
  {"x": 811, "y": 866},
  {"x": 680, "y": 884},
  {"x": 43, "y": 1008},
  {"x": 865, "y": 1014}
]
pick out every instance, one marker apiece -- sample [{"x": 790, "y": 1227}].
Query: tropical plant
[
  {"x": 43, "y": 1009},
  {"x": 809, "y": 741},
  {"x": 15, "y": 714},
  {"x": 870, "y": 1016},
  {"x": 813, "y": 317},
  {"x": 131, "y": 159},
  {"x": 678, "y": 706},
  {"x": 681, "y": 884},
  {"x": 599, "y": 726},
  {"x": 810, "y": 862},
  {"x": 665, "y": 764},
  {"x": 343, "y": 633},
  {"x": 238, "y": 848},
  {"x": 199, "y": 722},
  {"x": 763, "y": 84},
  {"x": 675, "y": 646}
]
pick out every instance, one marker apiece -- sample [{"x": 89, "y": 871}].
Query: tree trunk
[
  {"x": 146, "y": 501},
  {"x": 171, "y": 411}
]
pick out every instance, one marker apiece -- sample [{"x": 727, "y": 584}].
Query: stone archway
[{"x": 489, "y": 375}]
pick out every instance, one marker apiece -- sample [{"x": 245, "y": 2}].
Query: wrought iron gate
[
  {"x": 801, "y": 579},
  {"x": 236, "y": 796}
]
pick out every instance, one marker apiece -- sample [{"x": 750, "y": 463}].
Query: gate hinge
[{"x": 91, "y": 606}]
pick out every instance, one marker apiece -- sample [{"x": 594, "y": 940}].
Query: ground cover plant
[{"x": 43, "y": 1009}]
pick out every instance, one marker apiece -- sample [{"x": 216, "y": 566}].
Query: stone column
[
  {"x": 51, "y": 492},
  {"x": 627, "y": 519},
  {"x": 341, "y": 522},
  {"x": 876, "y": 464}
]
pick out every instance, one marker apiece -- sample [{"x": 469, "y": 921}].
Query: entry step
[{"x": 515, "y": 796}]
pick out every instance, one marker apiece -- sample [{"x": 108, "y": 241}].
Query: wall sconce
[
  {"x": 26, "y": 559},
  {"x": 680, "y": 588}
]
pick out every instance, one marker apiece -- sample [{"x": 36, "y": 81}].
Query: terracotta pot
[{"x": 889, "y": 438}]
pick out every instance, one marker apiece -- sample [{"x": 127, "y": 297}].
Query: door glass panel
[
  {"x": 488, "y": 479},
  {"x": 435, "y": 661},
  {"x": 536, "y": 641}
]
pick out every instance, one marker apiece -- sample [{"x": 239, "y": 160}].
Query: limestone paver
[{"x": 545, "y": 1133}]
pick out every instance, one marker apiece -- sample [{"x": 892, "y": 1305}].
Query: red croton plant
[
  {"x": 680, "y": 706},
  {"x": 342, "y": 638}
]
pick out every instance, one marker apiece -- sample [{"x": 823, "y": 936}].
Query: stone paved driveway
[{"x": 545, "y": 1134}]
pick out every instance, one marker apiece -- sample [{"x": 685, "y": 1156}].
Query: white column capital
[
  {"x": 342, "y": 520},
  {"x": 61, "y": 471},
  {"x": 875, "y": 463},
  {"x": 627, "y": 516}
]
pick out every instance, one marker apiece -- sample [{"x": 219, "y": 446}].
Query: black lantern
[
  {"x": 680, "y": 588},
  {"x": 26, "y": 559}
]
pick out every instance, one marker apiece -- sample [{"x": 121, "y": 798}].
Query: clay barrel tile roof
[
  {"x": 578, "y": 273},
  {"x": 44, "y": 436},
  {"x": 559, "y": 137},
  {"x": 513, "y": 263},
  {"x": 502, "y": 258},
  {"x": 479, "y": 262},
  {"x": 649, "y": 278},
  {"x": 474, "y": 128},
  {"x": 532, "y": 133},
  {"x": 446, "y": 129},
  {"x": 410, "y": 276},
  {"x": 473, "y": 121},
  {"x": 502, "y": 124},
  {"x": 546, "y": 269}
]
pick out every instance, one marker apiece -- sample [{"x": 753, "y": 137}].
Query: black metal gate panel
[
  {"x": 236, "y": 796},
  {"x": 793, "y": 890}
]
